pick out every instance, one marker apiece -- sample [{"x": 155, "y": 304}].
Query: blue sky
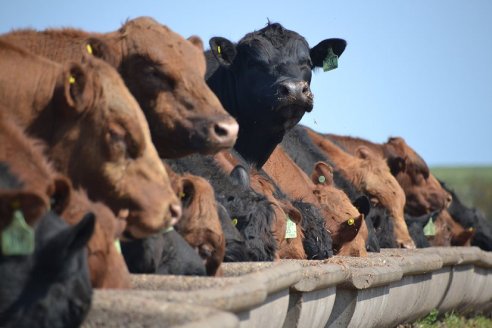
[{"x": 418, "y": 69}]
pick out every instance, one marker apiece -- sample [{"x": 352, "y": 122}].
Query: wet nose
[
  {"x": 175, "y": 212},
  {"x": 224, "y": 132},
  {"x": 298, "y": 90}
]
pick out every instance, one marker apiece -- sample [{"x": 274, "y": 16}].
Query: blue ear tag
[
  {"x": 330, "y": 62},
  {"x": 430, "y": 228},
  {"x": 290, "y": 230},
  {"x": 18, "y": 237}
]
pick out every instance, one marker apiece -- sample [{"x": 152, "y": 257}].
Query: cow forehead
[
  {"x": 166, "y": 48},
  {"x": 261, "y": 49}
]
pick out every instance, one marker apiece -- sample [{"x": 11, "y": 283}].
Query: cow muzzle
[{"x": 295, "y": 93}]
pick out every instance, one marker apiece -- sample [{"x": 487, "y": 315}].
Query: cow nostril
[
  {"x": 225, "y": 132},
  {"x": 220, "y": 131},
  {"x": 305, "y": 89},
  {"x": 175, "y": 212},
  {"x": 283, "y": 90}
]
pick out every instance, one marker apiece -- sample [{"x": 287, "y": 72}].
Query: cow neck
[
  {"x": 31, "y": 103},
  {"x": 337, "y": 156},
  {"x": 350, "y": 144},
  {"x": 252, "y": 145}
]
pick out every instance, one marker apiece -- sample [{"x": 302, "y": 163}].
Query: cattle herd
[{"x": 137, "y": 151}]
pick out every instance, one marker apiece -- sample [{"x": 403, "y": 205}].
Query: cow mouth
[{"x": 287, "y": 116}]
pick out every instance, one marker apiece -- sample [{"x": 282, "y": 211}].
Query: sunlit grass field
[{"x": 472, "y": 184}]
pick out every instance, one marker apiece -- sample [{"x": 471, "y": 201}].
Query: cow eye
[
  {"x": 121, "y": 144},
  {"x": 157, "y": 78}
]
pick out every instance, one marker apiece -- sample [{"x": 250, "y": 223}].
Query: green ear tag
[
  {"x": 290, "y": 230},
  {"x": 117, "y": 245},
  {"x": 430, "y": 228},
  {"x": 234, "y": 222},
  {"x": 18, "y": 237},
  {"x": 330, "y": 62},
  {"x": 321, "y": 179}
]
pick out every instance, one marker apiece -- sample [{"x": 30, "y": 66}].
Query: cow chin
[{"x": 290, "y": 115}]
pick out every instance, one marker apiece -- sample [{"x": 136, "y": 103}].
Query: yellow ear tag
[
  {"x": 182, "y": 195},
  {"x": 89, "y": 48},
  {"x": 71, "y": 80},
  {"x": 117, "y": 245},
  {"x": 351, "y": 221},
  {"x": 471, "y": 229},
  {"x": 234, "y": 222},
  {"x": 430, "y": 228},
  {"x": 18, "y": 237},
  {"x": 321, "y": 179},
  {"x": 290, "y": 229},
  {"x": 219, "y": 51}
]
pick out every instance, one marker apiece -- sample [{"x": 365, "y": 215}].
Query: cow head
[
  {"x": 200, "y": 225},
  {"x": 270, "y": 76},
  {"x": 423, "y": 192},
  {"x": 342, "y": 218},
  {"x": 104, "y": 145},
  {"x": 165, "y": 73},
  {"x": 290, "y": 246}
]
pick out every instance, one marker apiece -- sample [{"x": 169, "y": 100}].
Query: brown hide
[
  {"x": 200, "y": 224},
  {"x": 423, "y": 192},
  {"x": 163, "y": 71},
  {"x": 94, "y": 131},
  {"x": 370, "y": 174},
  {"x": 335, "y": 206},
  {"x": 288, "y": 248},
  {"x": 450, "y": 232},
  {"x": 39, "y": 186},
  {"x": 107, "y": 266},
  {"x": 24, "y": 157}
]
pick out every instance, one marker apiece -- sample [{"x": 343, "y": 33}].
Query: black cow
[
  {"x": 251, "y": 211},
  {"x": 165, "y": 253},
  {"x": 471, "y": 217},
  {"x": 304, "y": 153},
  {"x": 317, "y": 242},
  {"x": 50, "y": 287},
  {"x": 263, "y": 81},
  {"x": 235, "y": 243},
  {"x": 416, "y": 226}
]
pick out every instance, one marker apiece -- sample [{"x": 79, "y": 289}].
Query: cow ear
[
  {"x": 322, "y": 174},
  {"x": 196, "y": 41},
  {"x": 76, "y": 237},
  {"x": 240, "y": 176},
  {"x": 363, "y": 205},
  {"x": 223, "y": 49},
  {"x": 62, "y": 194},
  {"x": 363, "y": 152},
  {"x": 187, "y": 193},
  {"x": 396, "y": 164},
  {"x": 31, "y": 205},
  {"x": 100, "y": 49},
  {"x": 319, "y": 52},
  {"x": 76, "y": 94}
]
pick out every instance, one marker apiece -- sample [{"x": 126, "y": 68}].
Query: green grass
[
  {"x": 472, "y": 184},
  {"x": 452, "y": 320}
]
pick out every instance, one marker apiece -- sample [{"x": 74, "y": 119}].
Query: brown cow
[
  {"x": 342, "y": 219},
  {"x": 95, "y": 133},
  {"x": 200, "y": 224},
  {"x": 107, "y": 267},
  {"x": 370, "y": 174},
  {"x": 449, "y": 232},
  {"x": 22, "y": 157},
  {"x": 163, "y": 71},
  {"x": 423, "y": 192}
]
